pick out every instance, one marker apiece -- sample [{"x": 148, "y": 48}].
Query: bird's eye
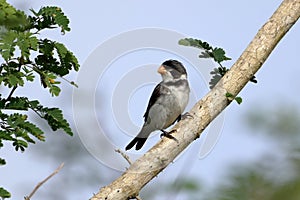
[{"x": 175, "y": 73}]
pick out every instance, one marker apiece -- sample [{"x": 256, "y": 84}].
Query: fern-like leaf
[
  {"x": 7, "y": 44},
  {"x": 67, "y": 58},
  {"x": 56, "y": 120},
  {"x": 10, "y": 17},
  {"x": 195, "y": 43},
  {"x": 54, "y": 16}
]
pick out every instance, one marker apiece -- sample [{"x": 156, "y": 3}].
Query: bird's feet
[
  {"x": 168, "y": 134},
  {"x": 187, "y": 115}
]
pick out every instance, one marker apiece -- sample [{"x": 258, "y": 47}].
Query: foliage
[
  {"x": 245, "y": 183},
  {"x": 274, "y": 176},
  {"x": 4, "y": 193},
  {"x": 281, "y": 123},
  {"x": 218, "y": 55},
  {"x": 25, "y": 57},
  {"x": 231, "y": 97},
  {"x": 10, "y": 17},
  {"x": 184, "y": 187}
]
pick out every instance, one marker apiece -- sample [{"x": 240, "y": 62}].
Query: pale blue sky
[{"x": 229, "y": 24}]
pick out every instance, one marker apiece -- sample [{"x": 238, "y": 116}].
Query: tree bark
[{"x": 165, "y": 151}]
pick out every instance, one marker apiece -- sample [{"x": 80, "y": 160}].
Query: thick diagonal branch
[{"x": 164, "y": 152}]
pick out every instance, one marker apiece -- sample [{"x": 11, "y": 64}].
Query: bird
[{"x": 166, "y": 104}]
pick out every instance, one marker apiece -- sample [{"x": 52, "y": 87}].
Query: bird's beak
[{"x": 162, "y": 70}]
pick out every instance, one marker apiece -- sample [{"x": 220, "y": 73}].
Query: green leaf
[
  {"x": 229, "y": 95},
  {"x": 4, "y": 135},
  {"x": 184, "y": 42},
  {"x": 4, "y": 193},
  {"x": 10, "y": 17},
  {"x": 53, "y": 116},
  {"x": 49, "y": 63},
  {"x": 238, "y": 100},
  {"x": 7, "y": 44},
  {"x": 33, "y": 130},
  {"x": 73, "y": 83},
  {"x": 34, "y": 104},
  {"x": 48, "y": 80},
  {"x": 54, "y": 90},
  {"x": 20, "y": 145},
  {"x": 26, "y": 41},
  {"x": 219, "y": 55},
  {"x": 195, "y": 43},
  {"x": 46, "y": 47},
  {"x": 67, "y": 58},
  {"x": 56, "y": 120},
  {"x": 24, "y": 54},
  {"x": 2, "y": 103},
  {"x": 216, "y": 76},
  {"x": 51, "y": 16},
  {"x": 17, "y": 103},
  {"x": 2, "y": 161},
  {"x": 15, "y": 79},
  {"x": 29, "y": 77},
  {"x": 10, "y": 74},
  {"x": 189, "y": 185},
  {"x": 27, "y": 138},
  {"x": 15, "y": 119}
]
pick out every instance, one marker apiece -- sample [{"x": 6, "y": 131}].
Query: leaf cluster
[
  {"x": 218, "y": 55},
  {"x": 10, "y": 17},
  {"x": 274, "y": 175},
  {"x": 49, "y": 17},
  {"x": 26, "y": 57},
  {"x": 19, "y": 130},
  {"x": 4, "y": 193},
  {"x": 52, "y": 58}
]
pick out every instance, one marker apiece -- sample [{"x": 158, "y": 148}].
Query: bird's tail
[
  {"x": 138, "y": 141},
  {"x": 141, "y": 138}
]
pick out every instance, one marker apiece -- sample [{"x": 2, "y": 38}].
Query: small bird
[{"x": 167, "y": 102}]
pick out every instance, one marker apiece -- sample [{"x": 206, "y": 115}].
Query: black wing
[{"x": 155, "y": 94}]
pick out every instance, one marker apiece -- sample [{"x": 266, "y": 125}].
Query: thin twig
[
  {"x": 126, "y": 157},
  {"x": 123, "y": 155},
  {"x": 44, "y": 181},
  {"x": 11, "y": 93},
  {"x": 21, "y": 62}
]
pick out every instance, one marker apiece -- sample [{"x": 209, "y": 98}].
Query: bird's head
[{"x": 172, "y": 70}]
